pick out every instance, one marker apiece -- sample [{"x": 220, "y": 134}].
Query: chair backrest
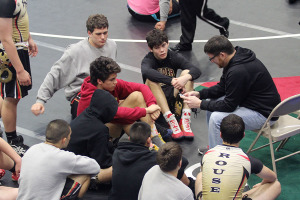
[{"x": 287, "y": 106}]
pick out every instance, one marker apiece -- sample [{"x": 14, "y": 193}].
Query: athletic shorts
[
  {"x": 13, "y": 89},
  {"x": 71, "y": 190},
  {"x": 74, "y": 105}
]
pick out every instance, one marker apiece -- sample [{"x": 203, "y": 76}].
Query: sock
[
  {"x": 186, "y": 113},
  {"x": 170, "y": 118},
  {"x": 13, "y": 170},
  {"x": 186, "y": 120},
  {"x": 155, "y": 137},
  {"x": 166, "y": 114},
  {"x": 10, "y": 135}
]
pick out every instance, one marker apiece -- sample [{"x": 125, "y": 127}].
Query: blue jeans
[{"x": 253, "y": 120}]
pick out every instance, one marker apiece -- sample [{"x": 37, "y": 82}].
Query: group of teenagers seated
[{"x": 119, "y": 129}]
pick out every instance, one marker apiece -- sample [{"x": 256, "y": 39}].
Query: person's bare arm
[
  {"x": 6, "y": 31},
  {"x": 267, "y": 175},
  {"x": 10, "y": 152}
]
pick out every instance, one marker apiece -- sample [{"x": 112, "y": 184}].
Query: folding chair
[{"x": 285, "y": 127}]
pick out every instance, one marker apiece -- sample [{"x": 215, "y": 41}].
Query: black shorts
[
  {"x": 74, "y": 105},
  {"x": 13, "y": 89},
  {"x": 71, "y": 190}
]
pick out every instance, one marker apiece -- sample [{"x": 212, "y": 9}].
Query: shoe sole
[
  {"x": 189, "y": 137},
  {"x": 178, "y": 139}
]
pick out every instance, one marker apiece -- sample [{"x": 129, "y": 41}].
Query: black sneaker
[
  {"x": 181, "y": 47},
  {"x": 18, "y": 145},
  {"x": 225, "y": 31}
]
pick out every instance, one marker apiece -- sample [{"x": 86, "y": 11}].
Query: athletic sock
[
  {"x": 170, "y": 118},
  {"x": 11, "y": 135},
  {"x": 186, "y": 120},
  {"x": 155, "y": 136}
]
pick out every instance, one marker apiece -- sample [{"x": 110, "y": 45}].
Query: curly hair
[
  {"x": 156, "y": 37},
  {"x": 96, "y": 21},
  {"x": 102, "y": 68}
]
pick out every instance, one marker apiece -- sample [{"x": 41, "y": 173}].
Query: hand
[
  {"x": 153, "y": 110},
  {"x": 192, "y": 101},
  {"x": 179, "y": 82},
  {"x": 37, "y": 108},
  {"x": 18, "y": 166},
  {"x": 155, "y": 115},
  {"x": 160, "y": 25},
  {"x": 192, "y": 93},
  {"x": 33, "y": 49},
  {"x": 24, "y": 78}
]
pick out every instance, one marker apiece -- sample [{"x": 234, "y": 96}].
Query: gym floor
[{"x": 269, "y": 28}]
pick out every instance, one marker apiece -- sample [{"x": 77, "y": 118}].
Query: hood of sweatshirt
[
  {"x": 241, "y": 56},
  {"x": 128, "y": 152},
  {"x": 103, "y": 106}
]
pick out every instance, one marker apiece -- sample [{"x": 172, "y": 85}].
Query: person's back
[
  {"x": 160, "y": 181},
  {"x": 45, "y": 167},
  {"x": 163, "y": 186},
  {"x": 226, "y": 170},
  {"x": 130, "y": 164}
]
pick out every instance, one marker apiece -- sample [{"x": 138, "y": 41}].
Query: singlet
[
  {"x": 17, "y": 10},
  {"x": 226, "y": 170}
]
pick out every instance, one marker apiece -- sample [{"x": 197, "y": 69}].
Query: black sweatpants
[{"x": 189, "y": 10}]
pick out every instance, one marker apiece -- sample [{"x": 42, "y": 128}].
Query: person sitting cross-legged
[
  {"x": 226, "y": 169},
  {"x": 131, "y": 161},
  {"x": 160, "y": 181},
  {"x": 48, "y": 172}
]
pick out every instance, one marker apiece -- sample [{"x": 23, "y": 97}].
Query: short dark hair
[
  {"x": 168, "y": 156},
  {"x": 57, "y": 130},
  {"x": 96, "y": 21},
  {"x": 140, "y": 132},
  {"x": 102, "y": 68},
  {"x": 218, "y": 44},
  {"x": 156, "y": 37},
  {"x": 232, "y": 129}
]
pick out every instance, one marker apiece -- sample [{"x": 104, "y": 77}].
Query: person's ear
[
  {"x": 180, "y": 163},
  {"x": 150, "y": 49},
  {"x": 99, "y": 82}
]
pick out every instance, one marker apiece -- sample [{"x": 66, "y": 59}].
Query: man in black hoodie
[
  {"x": 131, "y": 161},
  {"x": 246, "y": 89},
  {"x": 90, "y": 136}
]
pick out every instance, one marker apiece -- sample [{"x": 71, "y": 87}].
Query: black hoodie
[
  {"x": 89, "y": 134},
  {"x": 245, "y": 82},
  {"x": 130, "y": 163}
]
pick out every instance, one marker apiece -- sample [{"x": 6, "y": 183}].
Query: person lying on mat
[
  {"x": 246, "y": 89},
  {"x": 225, "y": 169}
]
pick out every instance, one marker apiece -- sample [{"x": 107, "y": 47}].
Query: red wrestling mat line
[{"x": 286, "y": 86}]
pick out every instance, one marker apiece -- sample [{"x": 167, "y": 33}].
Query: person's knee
[
  {"x": 215, "y": 119},
  {"x": 184, "y": 72},
  {"x": 137, "y": 97},
  {"x": 151, "y": 83}
]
